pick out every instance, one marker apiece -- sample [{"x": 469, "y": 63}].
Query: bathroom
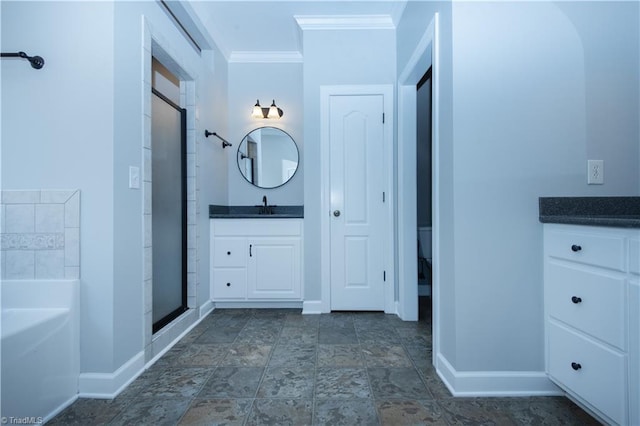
[
  {"x": 93, "y": 151},
  {"x": 83, "y": 123}
]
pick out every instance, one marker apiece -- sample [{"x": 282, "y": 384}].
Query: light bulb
[
  {"x": 273, "y": 111},
  {"x": 257, "y": 110}
]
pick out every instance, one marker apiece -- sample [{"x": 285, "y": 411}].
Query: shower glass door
[{"x": 169, "y": 210}]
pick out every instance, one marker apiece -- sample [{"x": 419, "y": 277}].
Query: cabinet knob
[
  {"x": 228, "y": 253},
  {"x": 576, "y": 366},
  {"x": 575, "y": 248},
  {"x": 228, "y": 284},
  {"x": 576, "y": 299}
]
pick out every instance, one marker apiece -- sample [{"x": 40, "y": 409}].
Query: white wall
[
  {"x": 531, "y": 104},
  {"x": 266, "y": 82},
  {"x": 610, "y": 35},
  {"x": 78, "y": 123},
  {"x": 213, "y": 187},
  {"x": 57, "y": 133},
  {"x": 536, "y": 89},
  {"x": 334, "y": 57}
]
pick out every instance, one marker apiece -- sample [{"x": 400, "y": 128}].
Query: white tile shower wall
[{"x": 40, "y": 234}]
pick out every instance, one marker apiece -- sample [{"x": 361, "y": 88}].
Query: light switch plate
[
  {"x": 595, "y": 172},
  {"x": 134, "y": 177}
]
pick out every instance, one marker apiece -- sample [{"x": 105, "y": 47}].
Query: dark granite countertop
[
  {"x": 620, "y": 212},
  {"x": 255, "y": 212}
]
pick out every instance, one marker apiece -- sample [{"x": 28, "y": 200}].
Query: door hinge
[{"x": 384, "y": 275}]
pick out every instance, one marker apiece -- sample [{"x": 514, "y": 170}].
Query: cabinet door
[{"x": 274, "y": 268}]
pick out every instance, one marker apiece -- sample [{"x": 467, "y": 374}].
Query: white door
[{"x": 358, "y": 213}]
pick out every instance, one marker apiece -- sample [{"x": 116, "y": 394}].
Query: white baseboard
[
  {"x": 396, "y": 310},
  {"x": 206, "y": 308},
  {"x": 61, "y": 408},
  {"x": 167, "y": 338},
  {"x": 311, "y": 307},
  {"x": 109, "y": 385},
  {"x": 260, "y": 304},
  {"x": 495, "y": 383}
]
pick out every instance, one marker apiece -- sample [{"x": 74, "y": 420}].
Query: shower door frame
[{"x": 167, "y": 319}]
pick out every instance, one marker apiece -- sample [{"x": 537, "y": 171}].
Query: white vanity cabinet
[
  {"x": 592, "y": 321},
  {"x": 256, "y": 260}
]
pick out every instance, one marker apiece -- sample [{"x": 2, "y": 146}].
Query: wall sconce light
[{"x": 272, "y": 112}]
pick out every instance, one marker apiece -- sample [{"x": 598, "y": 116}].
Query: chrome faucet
[{"x": 264, "y": 201}]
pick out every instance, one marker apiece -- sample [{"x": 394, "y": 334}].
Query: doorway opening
[
  {"x": 424, "y": 57},
  {"x": 424, "y": 192},
  {"x": 168, "y": 199}
]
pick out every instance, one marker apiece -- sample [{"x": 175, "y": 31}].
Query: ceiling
[{"x": 269, "y": 27}]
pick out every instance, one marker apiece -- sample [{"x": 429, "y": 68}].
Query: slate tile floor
[{"x": 278, "y": 367}]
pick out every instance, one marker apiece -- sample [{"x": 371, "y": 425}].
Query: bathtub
[{"x": 40, "y": 359}]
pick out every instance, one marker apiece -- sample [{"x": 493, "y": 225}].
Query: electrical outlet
[{"x": 595, "y": 172}]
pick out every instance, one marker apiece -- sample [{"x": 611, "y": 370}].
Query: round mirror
[{"x": 268, "y": 157}]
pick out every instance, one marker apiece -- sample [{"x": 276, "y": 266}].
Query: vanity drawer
[
  {"x": 229, "y": 283},
  {"x": 591, "y": 302},
  {"x": 229, "y": 252},
  {"x": 590, "y": 370},
  {"x": 584, "y": 247}
]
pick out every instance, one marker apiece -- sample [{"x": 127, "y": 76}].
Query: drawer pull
[
  {"x": 250, "y": 255},
  {"x": 576, "y": 366},
  {"x": 576, "y": 299},
  {"x": 228, "y": 253},
  {"x": 575, "y": 248},
  {"x": 228, "y": 284}
]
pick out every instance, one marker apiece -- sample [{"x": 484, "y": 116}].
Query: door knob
[{"x": 336, "y": 213}]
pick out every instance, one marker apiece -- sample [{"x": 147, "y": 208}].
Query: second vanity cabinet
[
  {"x": 256, "y": 259},
  {"x": 592, "y": 317}
]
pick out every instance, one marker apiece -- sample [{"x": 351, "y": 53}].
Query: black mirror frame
[{"x": 238, "y": 154}]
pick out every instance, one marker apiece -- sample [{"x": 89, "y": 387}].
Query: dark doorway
[{"x": 424, "y": 113}]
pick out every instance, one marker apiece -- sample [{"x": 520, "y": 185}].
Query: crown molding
[
  {"x": 345, "y": 22},
  {"x": 265, "y": 57}
]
